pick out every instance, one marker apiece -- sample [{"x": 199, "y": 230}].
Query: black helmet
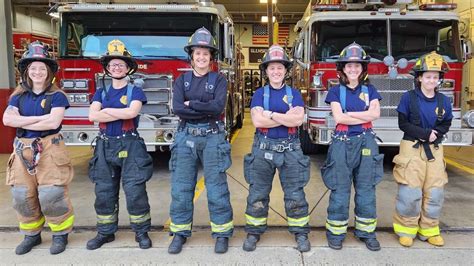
[
  {"x": 37, "y": 51},
  {"x": 275, "y": 54},
  {"x": 117, "y": 50},
  {"x": 430, "y": 62},
  {"x": 353, "y": 53},
  {"x": 201, "y": 38}
]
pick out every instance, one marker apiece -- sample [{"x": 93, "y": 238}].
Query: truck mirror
[
  {"x": 299, "y": 50},
  {"x": 228, "y": 45},
  {"x": 388, "y": 60},
  {"x": 466, "y": 49}
]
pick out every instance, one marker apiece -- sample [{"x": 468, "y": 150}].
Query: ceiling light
[
  {"x": 265, "y": 1},
  {"x": 264, "y": 19}
]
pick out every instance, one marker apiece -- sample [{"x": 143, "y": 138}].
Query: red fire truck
[
  {"x": 394, "y": 34},
  {"x": 155, "y": 34}
]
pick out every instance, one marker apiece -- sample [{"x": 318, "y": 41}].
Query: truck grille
[{"x": 391, "y": 91}]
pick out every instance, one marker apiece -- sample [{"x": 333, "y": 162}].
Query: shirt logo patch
[
  {"x": 362, "y": 96},
  {"x": 43, "y": 103},
  {"x": 365, "y": 152},
  {"x": 123, "y": 100},
  {"x": 285, "y": 99},
  {"x": 436, "y": 111}
]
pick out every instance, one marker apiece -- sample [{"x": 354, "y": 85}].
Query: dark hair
[
  {"x": 27, "y": 83},
  {"x": 363, "y": 77},
  {"x": 417, "y": 81}
]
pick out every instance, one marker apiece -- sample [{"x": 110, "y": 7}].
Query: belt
[
  {"x": 125, "y": 135},
  {"x": 204, "y": 131},
  {"x": 279, "y": 147}
]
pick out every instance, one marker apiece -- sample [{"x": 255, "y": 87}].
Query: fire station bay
[{"x": 237, "y": 132}]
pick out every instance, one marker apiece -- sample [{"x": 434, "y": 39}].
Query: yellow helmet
[
  {"x": 116, "y": 50},
  {"x": 430, "y": 62}
]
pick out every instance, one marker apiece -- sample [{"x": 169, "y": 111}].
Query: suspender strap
[
  {"x": 342, "y": 95},
  {"x": 266, "y": 105},
  {"x": 188, "y": 78},
  {"x": 127, "y": 125},
  {"x": 414, "y": 108},
  {"x": 440, "y": 106},
  {"x": 210, "y": 84}
]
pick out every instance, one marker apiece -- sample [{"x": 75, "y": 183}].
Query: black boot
[
  {"x": 302, "y": 242},
  {"x": 222, "y": 245},
  {"x": 335, "y": 243},
  {"x": 177, "y": 244},
  {"x": 371, "y": 243},
  {"x": 250, "y": 243},
  {"x": 99, "y": 240},
  {"x": 59, "y": 244},
  {"x": 27, "y": 244},
  {"x": 144, "y": 241}
]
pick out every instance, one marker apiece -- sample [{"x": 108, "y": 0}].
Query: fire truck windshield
[
  {"x": 409, "y": 38},
  {"x": 146, "y": 35}
]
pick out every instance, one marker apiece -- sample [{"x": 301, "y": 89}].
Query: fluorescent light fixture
[
  {"x": 264, "y": 19},
  {"x": 265, "y": 1}
]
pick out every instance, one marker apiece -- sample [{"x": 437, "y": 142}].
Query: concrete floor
[{"x": 457, "y": 217}]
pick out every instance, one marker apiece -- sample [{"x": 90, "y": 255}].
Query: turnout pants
[
  {"x": 352, "y": 160},
  {"x": 259, "y": 171},
  {"x": 122, "y": 159},
  {"x": 44, "y": 196},
  {"x": 193, "y": 145},
  {"x": 420, "y": 191}
]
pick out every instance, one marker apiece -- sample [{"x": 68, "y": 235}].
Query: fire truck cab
[
  {"x": 394, "y": 34},
  {"x": 155, "y": 34}
]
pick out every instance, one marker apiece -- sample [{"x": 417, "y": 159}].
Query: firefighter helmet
[
  {"x": 430, "y": 62},
  {"x": 275, "y": 53},
  {"x": 116, "y": 50},
  {"x": 37, "y": 51},
  {"x": 353, "y": 53},
  {"x": 201, "y": 38}
]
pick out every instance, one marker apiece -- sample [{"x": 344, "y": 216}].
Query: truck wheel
[{"x": 307, "y": 146}]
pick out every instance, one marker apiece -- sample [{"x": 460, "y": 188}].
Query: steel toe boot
[
  {"x": 371, "y": 243},
  {"x": 59, "y": 244},
  {"x": 99, "y": 240},
  {"x": 250, "y": 243},
  {"x": 335, "y": 243},
  {"x": 405, "y": 241},
  {"x": 302, "y": 242},
  {"x": 27, "y": 244},
  {"x": 222, "y": 245},
  {"x": 177, "y": 244},
  {"x": 144, "y": 241},
  {"x": 436, "y": 241}
]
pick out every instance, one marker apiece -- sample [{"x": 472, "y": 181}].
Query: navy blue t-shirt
[
  {"x": 355, "y": 102},
  {"x": 117, "y": 98},
  {"x": 428, "y": 108},
  {"x": 278, "y": 103},
  {"x": 34, "y": 105}
]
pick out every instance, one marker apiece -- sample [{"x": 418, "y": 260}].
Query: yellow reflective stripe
[
  {"x": 136, "y": 219},
  {"x": 300, "y": 222},
  {"x": 221, "y": 228},
  {"x": 365, "y": 224},
  {"x": 405, "y": 231},
  {"x": 433, "y": 231},
  {"x": 33, "y": 225},
  {"x": 107, "y": 219},
  {"x": 337, "y": 227},
  {"x": 62, "y": 226},
  {"x": 255, "y": 221},
  {"x": 179, "y": 227}
]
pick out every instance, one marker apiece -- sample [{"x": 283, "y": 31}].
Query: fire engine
[
  {"x": 155, "y": 34},
  {"x": 394, "y": 34}
]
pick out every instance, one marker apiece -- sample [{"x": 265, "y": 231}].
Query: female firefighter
[
  {"x": 199, "y": 99},
  {"x": 120, "y": 153},
  {"x": 353, "y": 155},
  {"x": 39, "y": 170},
  {"x": 424, "y": 116},
  {"x": 277, "y": 110}
]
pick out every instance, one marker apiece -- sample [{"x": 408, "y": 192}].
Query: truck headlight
[{"x": 469, "y": 118}]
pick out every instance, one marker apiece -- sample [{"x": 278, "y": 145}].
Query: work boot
[
  {"x": 99, "y": 240},
  {"x": 335, "y": 243},
  {"x": 27, "y": 244},
  {"x": 59, "y": 244},
  {"x": 144, "y": 241},
  {"x": 177, "y": 244},
  {"x": 405, "y": 241},
  {"x": 250, "y": 243},
  {"x": 436, "y": 241},
  {"x": 371, "y": 243},
  {"x": 302, "y": 242},
  {"x": 222, "y": 245}
]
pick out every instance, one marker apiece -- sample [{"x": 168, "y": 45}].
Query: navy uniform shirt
[
  {"x": 34, "y": 104},
  {"x": 428, "y": 109},
  {"x": 117, "y": 98},
  {"x": 355, "y": 102},
  {"x": 202, "y": 106},
  {"x": 278, "y": 103}
]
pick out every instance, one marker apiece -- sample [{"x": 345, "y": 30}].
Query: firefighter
[
  {"x": 353, "y": 155},
  {"x": 277, "y": 110},
  {"x": 39, "y": 170},
  {"x": 424, "y": 116},
  {"x": 199, "y": 99},
  {"x": 120, "y": 154}
]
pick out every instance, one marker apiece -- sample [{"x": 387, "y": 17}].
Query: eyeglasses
[{"x": 117, "y": 65}]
